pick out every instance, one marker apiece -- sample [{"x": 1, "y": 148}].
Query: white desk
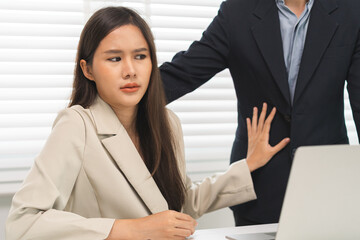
[{"x": 220, "y": 233}]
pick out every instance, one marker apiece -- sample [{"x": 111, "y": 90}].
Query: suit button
[{"x": 287, "y": 118}]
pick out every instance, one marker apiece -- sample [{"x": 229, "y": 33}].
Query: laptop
[{"x": 322, "y": 200}]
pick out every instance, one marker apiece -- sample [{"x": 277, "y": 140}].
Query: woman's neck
[{"x": 127, "y": 117}]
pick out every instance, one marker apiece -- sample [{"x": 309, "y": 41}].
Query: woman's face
[{"x": 122, "y": 67}]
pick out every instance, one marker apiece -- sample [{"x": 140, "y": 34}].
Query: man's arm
[{"x": 190, "y": 69}]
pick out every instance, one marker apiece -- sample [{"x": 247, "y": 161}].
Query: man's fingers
[
  {"x": 254, "y": 120},
  {"x": 262, "y": 116},
  {"x": 281, "y": 145}
]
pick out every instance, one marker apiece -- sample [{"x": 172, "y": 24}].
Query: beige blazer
[{"x": 89, "y": 173}]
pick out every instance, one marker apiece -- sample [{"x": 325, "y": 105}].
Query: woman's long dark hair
[{"x": 152, "y": 124}]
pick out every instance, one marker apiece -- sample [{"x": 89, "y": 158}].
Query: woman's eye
[
  {"x": 115, "y": 59},
  {"x": 140, "y": 56}
]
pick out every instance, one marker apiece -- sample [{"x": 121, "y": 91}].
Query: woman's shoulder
[
  {"x": 172, "y": 115},
  {"x": 173, "y": 119},
  {"x": 71, "y": 116}
]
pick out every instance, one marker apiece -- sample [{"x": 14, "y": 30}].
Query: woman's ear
[{"x": 86, "y": 70}]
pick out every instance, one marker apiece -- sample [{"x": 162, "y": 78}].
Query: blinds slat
[
  {"x": 207, "y": 117},
  {"x": 36, "y": 81},
  {"x": 46, "y": 68},
  {"x": 220, "y": 82},
  {"x": 212, "y": 3},
  {"x": 176, "y": 34},
  {"x": 17, "y": 148},
  {"x": 32, "y": 106},
  {"x": 43, "y": 5},
  {"x": 208, "y": 141},
  {"x": 39, "y": 55},
  {"x": 16, "y": 162},
  {"x": 171, "y": 46},
  {"x": 35, "y": 94},
  {"x": 13, "y": 176},
  {"x": 137, "y": 6},
  {"x": 20, "y": 42},
  {"x": 15, "y": 16},
  {"x": 179, "y": 22},
  {"x": 204, "y": 105},
  {"x": 32, "y": 120},
  {"x": 183, "y": 11},
  {"x": 213, "y": 94},
  {"x": 209, "y": 129},
  {"x": 24, "y": 134},
  {"x": 212, "y": 154},
  {"x": 9, "y": 188},
  {"x": 12, "y": 31}
]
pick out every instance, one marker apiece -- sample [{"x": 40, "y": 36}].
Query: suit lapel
[
  {"x": 320, "y": 31},
  {"x": 126, "y": 156},
  {"x": 268, "y": 38}
]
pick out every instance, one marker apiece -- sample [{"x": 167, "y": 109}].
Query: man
[{"x": 296, "y": 56}]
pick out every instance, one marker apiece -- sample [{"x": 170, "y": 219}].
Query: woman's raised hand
[{"x": 259, "y": 150}]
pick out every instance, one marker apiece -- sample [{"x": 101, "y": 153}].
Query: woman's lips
[{"x": 130, "y": 87}]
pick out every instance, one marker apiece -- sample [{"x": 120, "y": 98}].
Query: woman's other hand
[
  {"x": 164, "y": 225},
  {"x": 259, "y": 150},
  {"x": 167, "y": 225}
]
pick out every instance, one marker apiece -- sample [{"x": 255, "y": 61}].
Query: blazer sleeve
[
  {"x": 354, "y": 85},
  {"x": 190, "y": 69},
  {"x": 221, "y": 190},
  {"x": 37, "y": 208}
]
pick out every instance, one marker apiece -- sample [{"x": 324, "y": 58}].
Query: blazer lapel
[
  {"x": 118, "y": 143},
  {"x": 268, "y": 38},
  {"x": 320, "y": 31}
]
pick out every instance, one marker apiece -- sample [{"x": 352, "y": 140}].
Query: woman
[{"x": 113, "y": 166}]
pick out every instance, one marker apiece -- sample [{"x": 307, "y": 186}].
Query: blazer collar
[
  {"x": 105, "y": 119},
  {"x": 121, "y": 148},
  {"x": 267, "y": 35},
  {"x": 263, "y": 7},
  {"x": 328, "y": 5}
]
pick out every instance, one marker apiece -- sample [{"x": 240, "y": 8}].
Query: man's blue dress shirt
[{"x": 293, "y": 33}]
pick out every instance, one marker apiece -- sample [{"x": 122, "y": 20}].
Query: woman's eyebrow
[
  {"x": 112, "y": 51},
  {"x": 140, "y": 50}
]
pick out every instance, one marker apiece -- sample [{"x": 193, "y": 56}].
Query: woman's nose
[{"x": 128, "y": 70}]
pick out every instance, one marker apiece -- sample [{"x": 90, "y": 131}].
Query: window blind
[{"x": 38, "y": 41}]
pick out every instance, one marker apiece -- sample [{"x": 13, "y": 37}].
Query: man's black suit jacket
[{"x": 245, "y": 37}]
